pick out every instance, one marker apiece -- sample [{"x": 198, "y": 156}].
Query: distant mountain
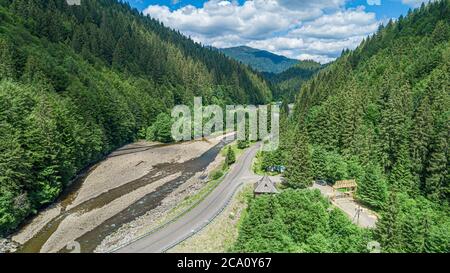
[{"x": 260, "y": 60}]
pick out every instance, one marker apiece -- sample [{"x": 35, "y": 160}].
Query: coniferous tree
[
  {"x": 441, "y": 32},
  {"x": 436, "y": 183},
  {"x": 401, "y": 178},
  {"x": 319, "y": 163},
  {"x": 231, "y": 157},
  {"x": 420, "y": 141},
  {"x": 298, "y": 168},
  {"x": 372, "y": 188},
  {"x": 394, "y": 127},
  {"x": 388, "y": 226},
  {"x": 7, "y": 64},
  {"x": 437, "y": 238}
]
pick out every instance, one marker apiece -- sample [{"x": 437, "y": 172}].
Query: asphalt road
[{"x": 202, "y": 214}]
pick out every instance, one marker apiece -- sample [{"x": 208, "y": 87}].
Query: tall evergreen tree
[
  {"x": 401, "y": 178},
  {"x": 436, "y": 182},
  {"x": 372, "y": 188},
  {"x": 420, "y": 140},
  {"x": 388, "y": 226},
  {"x": 231, "y": 157},
  {"x": 7, "y": 64},
  {"x": 298, "y": 169}
]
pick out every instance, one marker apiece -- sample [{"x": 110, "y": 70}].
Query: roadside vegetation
[
  {"x": 380, "y": 115},
  {"x": 221, "y": 234}
]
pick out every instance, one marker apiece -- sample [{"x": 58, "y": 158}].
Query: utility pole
[{"x": 358, "y": 211}]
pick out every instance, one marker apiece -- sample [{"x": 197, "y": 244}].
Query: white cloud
[
  {"x": 339, "y": 25},
  {"x": 374, "y": 2},
  {"x": 317, "y": 4},
  {"x": 304, "y": 29}
]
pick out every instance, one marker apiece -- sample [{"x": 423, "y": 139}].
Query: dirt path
[{"x": 366, "y": 219}]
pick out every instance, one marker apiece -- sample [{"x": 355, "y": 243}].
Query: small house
[{"x": 265, "y": 186}]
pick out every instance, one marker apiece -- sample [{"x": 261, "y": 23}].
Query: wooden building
[
  {"x": 349, "y": 187},
  {"x": 265, "y": 186}
]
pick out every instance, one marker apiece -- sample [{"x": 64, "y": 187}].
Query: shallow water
[{"x": 90, "y": 240}]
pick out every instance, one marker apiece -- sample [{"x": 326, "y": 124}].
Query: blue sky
[
  {"x": 300, "y": 29},
  {"x": 386, "y": 9}
]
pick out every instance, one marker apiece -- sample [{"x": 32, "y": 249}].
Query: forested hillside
[
  {"x": 381, "y": 115},
  {"x": 286, "y": 85},
  {"x": 260, "y": 60},
  {"x": 79, "y": 81}
]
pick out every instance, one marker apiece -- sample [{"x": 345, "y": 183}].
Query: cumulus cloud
[
  {"x": 302, "y": 29},
  {"x": 373, "y": 2},
  {"x": 339, "y": 25},
  {"x": 318, "y": 4}
]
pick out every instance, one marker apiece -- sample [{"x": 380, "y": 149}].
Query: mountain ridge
[{"x": 260, "y": 60}]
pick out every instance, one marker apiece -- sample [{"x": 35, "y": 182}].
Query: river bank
[
  {"x": 134, "y": 181},
  {"x": 178, "y": 203},
  {"x": 8, "y": 246}
]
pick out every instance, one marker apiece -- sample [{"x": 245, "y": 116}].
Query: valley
[{"x": 352, "y": 156}]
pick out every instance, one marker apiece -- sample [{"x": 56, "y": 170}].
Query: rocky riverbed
[
  {"x": 140, "y": 180},
  {"x": 8, "y": 246}
]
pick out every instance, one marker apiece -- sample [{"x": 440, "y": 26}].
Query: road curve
[{"x": 197, "y": 218}]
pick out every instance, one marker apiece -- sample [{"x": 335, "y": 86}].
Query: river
[{"x": 92, "y": 238}]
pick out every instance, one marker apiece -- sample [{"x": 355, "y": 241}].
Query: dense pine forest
[
  {"x": 380, "y": 114},
  {"x": 77, "y": 82},
  {"x": 287, "y": 83},
  {"x": 260, "y": 60}
]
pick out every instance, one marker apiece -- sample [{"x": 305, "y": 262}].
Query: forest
[
  {"x": 379, "y": 114},
  {"x": 287, "y": 83},
  {"x": 77, "y": 82},
  {"x": 260, "y": 60},
  {"x": 299, "y": 221}
]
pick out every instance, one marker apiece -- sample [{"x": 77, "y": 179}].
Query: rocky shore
[{"x": 8, "y": 246}]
